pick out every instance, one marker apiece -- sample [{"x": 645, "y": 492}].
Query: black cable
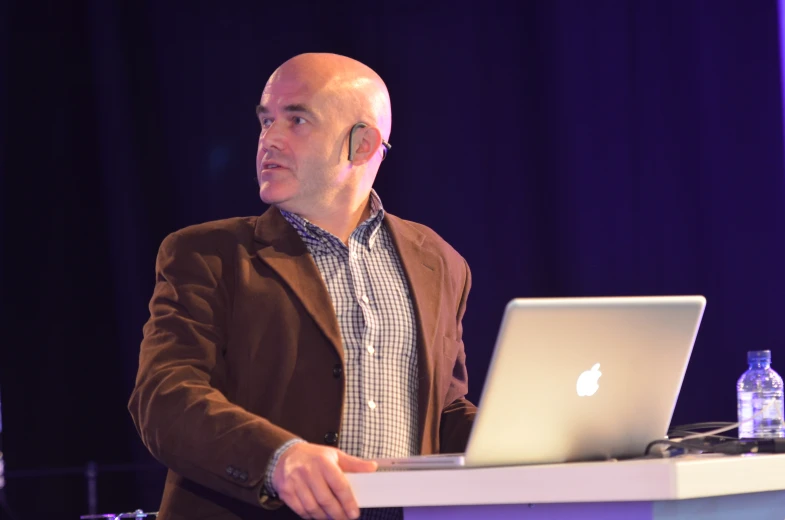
[
  {"x": 728, "y": 447},
  {"x": 687, "y": 447},
  {"x": 741, "y": 446}
]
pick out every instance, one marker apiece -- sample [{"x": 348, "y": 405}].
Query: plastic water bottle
[{"x": 760, "y": 399}]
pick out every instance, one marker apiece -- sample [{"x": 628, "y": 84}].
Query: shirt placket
[
  {"x": 369, "y": 393},
  {"x": 350, "y": 321}
]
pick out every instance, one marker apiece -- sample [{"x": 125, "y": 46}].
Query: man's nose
[{"x": 272, "y": 138}]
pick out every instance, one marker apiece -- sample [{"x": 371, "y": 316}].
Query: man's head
[{"x": 307, "y": 111}]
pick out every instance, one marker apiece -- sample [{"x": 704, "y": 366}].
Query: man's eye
[
  {"x": 266, "y": 122},
  {"x": 298, "y": 120}
]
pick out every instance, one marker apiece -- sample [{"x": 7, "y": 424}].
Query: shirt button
[
  {"x": 337, "y": 371},
  {"x": 371, "y": 350},
  {"x": 365, "y": 298},
  {"x": 331, "y": 439},
  {"x": 355, "y": 255},
  {"x": 372, "y": 404}
]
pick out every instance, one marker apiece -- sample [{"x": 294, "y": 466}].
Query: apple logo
[{"x": 587, "y": 381}]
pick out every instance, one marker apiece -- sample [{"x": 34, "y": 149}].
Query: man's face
[{"x": 299, "y": 156}]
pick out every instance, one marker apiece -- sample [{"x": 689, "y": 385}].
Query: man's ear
[{"x": 367, "y": 141}]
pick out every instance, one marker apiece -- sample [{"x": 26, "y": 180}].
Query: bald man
[{"x": 285, "y": 350}]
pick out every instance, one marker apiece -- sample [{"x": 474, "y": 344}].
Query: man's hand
[{"x": 310, "y": 479}]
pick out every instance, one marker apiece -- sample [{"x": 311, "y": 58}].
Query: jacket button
[
  {"x": 337, "y": 371},
  {"x": 331, "y": 439}
]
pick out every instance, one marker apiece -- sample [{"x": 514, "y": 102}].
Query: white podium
[{"x": 748, "y": 487}]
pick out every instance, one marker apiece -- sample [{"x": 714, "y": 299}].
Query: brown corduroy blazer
[{"x": 242, "y": 352}]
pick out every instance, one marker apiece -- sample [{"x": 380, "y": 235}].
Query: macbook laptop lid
[{"x": 578, "y": 379}]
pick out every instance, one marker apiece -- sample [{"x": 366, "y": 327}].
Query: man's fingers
[
  {"x": 340, "y": 487},
  {"x": 311, "y": 507},
  {"x": 311, "y": 480},
  {"x": 291, "y": 500},
  {"x": 351, "y": 464},
  {"x": 326, "y": 497}
]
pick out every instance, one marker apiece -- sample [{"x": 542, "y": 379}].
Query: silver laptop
[{"x": 577, "y": 379}]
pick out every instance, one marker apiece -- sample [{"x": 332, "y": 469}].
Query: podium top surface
[{"x": 613, "y": 481}]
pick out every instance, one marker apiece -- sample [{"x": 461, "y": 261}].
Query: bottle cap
[{"x": 759, "y": 356}]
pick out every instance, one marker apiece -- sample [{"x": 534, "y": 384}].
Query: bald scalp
[{"x": 355, "y": 90}]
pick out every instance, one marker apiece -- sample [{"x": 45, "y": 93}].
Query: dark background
[{"x": 565, "y": 148}]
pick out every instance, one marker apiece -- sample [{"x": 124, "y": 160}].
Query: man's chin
[
  {"x": 271, "y": 195},
  {"x": 283, "y": 196}
]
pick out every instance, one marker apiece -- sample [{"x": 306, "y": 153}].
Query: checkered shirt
[{"x": 371, "y": 298}]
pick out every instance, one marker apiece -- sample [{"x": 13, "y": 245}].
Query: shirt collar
[{"x": 319, "y": 241}]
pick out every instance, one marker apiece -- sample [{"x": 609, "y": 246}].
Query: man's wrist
[{"x": 268, "y": 479}]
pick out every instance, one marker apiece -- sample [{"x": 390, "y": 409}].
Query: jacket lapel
[
  {"x": 281, "y": 248},
  {"x": 424, "y": 271}
]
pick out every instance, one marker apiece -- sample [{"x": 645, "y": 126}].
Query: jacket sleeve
[
  {"x": 458, "y": 415},
  {"x": 177, "y": 405}
]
